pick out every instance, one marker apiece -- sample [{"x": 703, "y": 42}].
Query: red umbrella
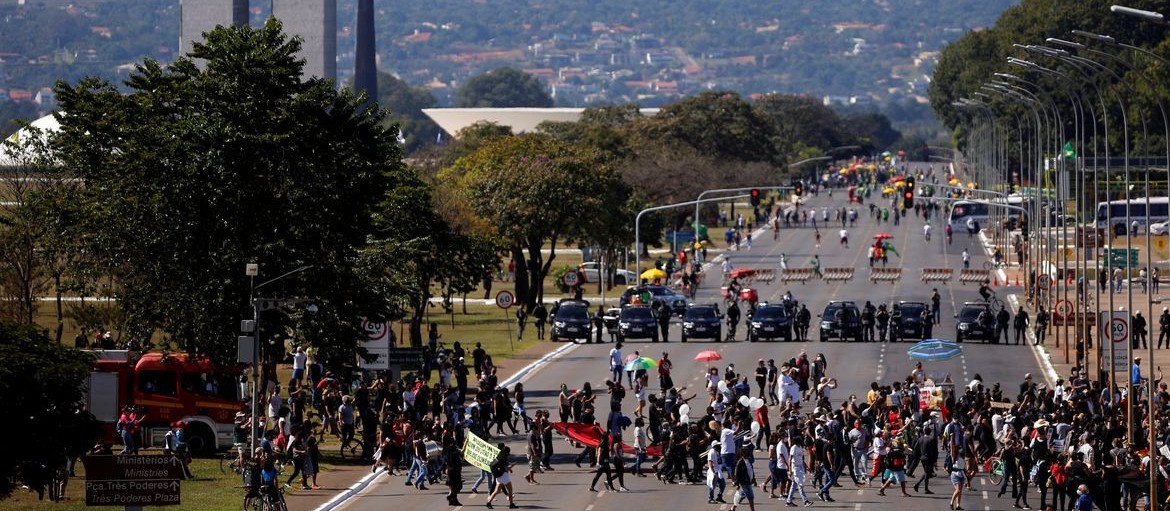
[
  {"x": 897, "y": 178},
  {"x": 883, "y": 236},
  {"x": 708, "y": 356}
]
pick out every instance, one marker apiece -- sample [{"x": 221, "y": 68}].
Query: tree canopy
[
  {"x": 42, "y": 387},
  {"x": 503, "y": 88},
  {"x": 202, "y": 168}
]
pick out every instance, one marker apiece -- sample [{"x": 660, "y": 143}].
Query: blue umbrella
[{"x": 930, "y": 350}]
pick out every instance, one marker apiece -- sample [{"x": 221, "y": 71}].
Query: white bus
[
  {"x": 1145, "y": 211},
  {"x": 979, "y": 211}
]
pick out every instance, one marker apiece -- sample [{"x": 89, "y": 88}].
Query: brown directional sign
[{"x": 146, "y": 480}]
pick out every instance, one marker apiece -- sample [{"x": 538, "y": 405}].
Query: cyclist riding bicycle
[
  {"x": 268, "y": 475},
  {"x": 985, "y": 290}
]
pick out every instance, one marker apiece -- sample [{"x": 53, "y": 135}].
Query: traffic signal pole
[{"x": 699, "y": 199}]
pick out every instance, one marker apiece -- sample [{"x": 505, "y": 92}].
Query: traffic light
[
  {"x": 755, "y": 197},
  {"x": 798, "y": 188},
  {"x": 908, "y": 194}
]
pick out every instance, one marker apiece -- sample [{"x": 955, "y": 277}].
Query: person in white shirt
[
  {"x": 797, "y": 470},
  {"x": 640, "y": 445},
  {"x": 300, "y": 361},
  {"x": 789, "y": 389},
  {"x": 715, "y": 477},
  {"x": 615, "y": 362}
]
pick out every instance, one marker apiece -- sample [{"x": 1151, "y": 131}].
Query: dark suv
[
  {"x": 911, "y": 325},
  {"x": 702, "y": 322},
  {"x": 771, "y": 321},
  {"x": 637, "y": 322},
  {"x": 830, "y": 327},
  {"x": 969, "y": 326},
  {"x": 571, "y": 320},
  {"x": 674, "y": 300}
]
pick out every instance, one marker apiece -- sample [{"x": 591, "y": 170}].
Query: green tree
[
  {"x": 404, "y": 105},
  {"x": 42, "y": 384},
  {"x": 535, "y": 191},
  {"x": 720, "y": 125},
  {"x": 419, "y": 250},
  {"x": 199, "y": 170},
  {"x": 801, "y": 121},
  {"x": 503, "y": 88}
]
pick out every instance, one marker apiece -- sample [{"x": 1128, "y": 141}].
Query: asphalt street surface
[{"x": 854, "y": 365}]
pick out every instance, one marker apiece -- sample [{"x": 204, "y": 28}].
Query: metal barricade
[
  {"x": 885, "y": 274},
  {"x": 937, "y": 274},
  {"x": 969, "y": 276}
]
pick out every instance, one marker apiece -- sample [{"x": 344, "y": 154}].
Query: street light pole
[{"x": 252, "y": 270}]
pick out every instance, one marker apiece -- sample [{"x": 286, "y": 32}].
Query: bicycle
[
  {"x": 271, "y": 499},
  {"x": 232, "y": 462},
  {"x": 353, "y": 450},
  {"x": 994, "y": 466}
]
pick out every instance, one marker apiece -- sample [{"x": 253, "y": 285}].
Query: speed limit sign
[
  {"x": 505, "y": 299},
  {"x": 1063, "y": 309},
  {"x": 1119, "y": 330},
  {"x": 571, "y": 279}
]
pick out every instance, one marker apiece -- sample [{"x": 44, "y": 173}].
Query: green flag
[{"x": 1069, "y": 151}]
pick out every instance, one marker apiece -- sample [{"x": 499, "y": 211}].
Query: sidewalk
[
  {"x": 1058, "y": 353},
  {"x": 336, "y": 479}
]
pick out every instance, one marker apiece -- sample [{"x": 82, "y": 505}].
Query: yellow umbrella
[
  {"x": 653, "y": 274},
  {"x": 899, "y": 184},
  {"x": 888, "y": 190},
  {"x": 971, "y": 185},
  {"x": 953, "y": 181}
]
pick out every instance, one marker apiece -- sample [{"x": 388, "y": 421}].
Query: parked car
[
  {"x": 702, "y": 322},
  {"x": 911, "y": 325},
  {"x": 673, "y": 299},
  {"x": 968, "y": 324},
  {"x": 1160, "y": 228},
  {"x": 830, "y": 327},
  {"x": 637, "y": 322},
  {"x": 771, "y": 321},
  {"x": 621, "y": 277},
  {"x": 571, "y": 320}
]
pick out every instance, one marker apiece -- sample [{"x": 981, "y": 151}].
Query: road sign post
[
  {"x": 133, "y": 481},
  {"x": 1115, "y": 327},
  {"x": 504, "y": 300}
]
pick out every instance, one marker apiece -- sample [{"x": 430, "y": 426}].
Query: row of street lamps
[{"x": 1052, "y": 111}]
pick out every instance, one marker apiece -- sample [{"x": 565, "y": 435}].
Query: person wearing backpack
[
  {"x": 1059, "y": 478},
  {"x": 500, "y": 469},
  {"x": 895, "y": 469}
]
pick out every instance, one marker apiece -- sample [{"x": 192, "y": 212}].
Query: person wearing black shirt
[
  {"x": 732, "y": 319},
  {"x": 926, "y": 450},
  {"x": 604, "y": 460},
  {"x": 761, "y": 377},
  {"x": 539, "y": 315},
  {"x": 1002, "y": 320},
  {"x": 454, "y": 463}
]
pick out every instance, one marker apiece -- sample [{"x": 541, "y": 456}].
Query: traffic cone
[
  {"x": 1069, "y": 280},
  {"x": 994, "y": 281},
  {"x": 1017, "y": 280}
]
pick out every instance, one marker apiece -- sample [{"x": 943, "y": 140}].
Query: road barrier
[
  {"x": 842, "y": 274},
  {"x": 968, "y": 276},
  {"x": 796, "y": 274},
  {"x": 765, "y": 276},
  {"x": 885, "y": 274},
  {"x": 937, "y": 274}
]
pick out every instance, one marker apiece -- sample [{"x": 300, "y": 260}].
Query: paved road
[{"x": 855, "y": 365}]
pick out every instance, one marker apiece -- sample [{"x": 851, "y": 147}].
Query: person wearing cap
[
  {"x": 1164, "y": 328},
  {"x": 715, "y": 474}
]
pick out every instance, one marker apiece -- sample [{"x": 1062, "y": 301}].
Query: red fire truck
[{"x": 168, "y": 388}]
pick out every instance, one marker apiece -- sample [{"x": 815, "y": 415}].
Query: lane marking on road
[
  {"x": 985, "y": 495},
  {"x": 857, "y": 507},
  {"x": 589, "y": 507}
]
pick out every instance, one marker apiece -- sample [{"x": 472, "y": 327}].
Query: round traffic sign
[
  {"x": 571, "y": 278},
  {"x": 505, "y": 299},
  {"x": 1063, "y": 308},
  {"x": 1119, "y": 330},
  {"x": 1043, "y": 280},
  {"x": 375, "y": 330}
]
